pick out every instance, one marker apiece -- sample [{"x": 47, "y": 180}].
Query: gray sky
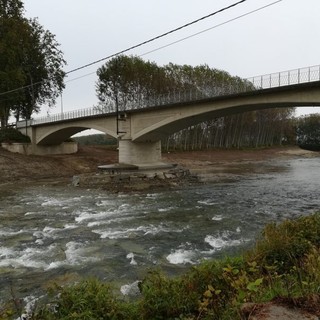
[{"x": 281, "y": 37}]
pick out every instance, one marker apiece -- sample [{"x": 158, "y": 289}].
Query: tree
[
  {"x": 30, "y": 59},
  {"x": 308, "y": 132},
  {"x": 129, "y": 82}
]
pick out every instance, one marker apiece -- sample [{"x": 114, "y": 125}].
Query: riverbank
[{"x": 213, "y": 164}]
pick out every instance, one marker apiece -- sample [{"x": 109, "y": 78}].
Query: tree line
[{"x": 272, "y": 127}]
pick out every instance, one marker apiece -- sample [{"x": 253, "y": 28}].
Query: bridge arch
[
  {"x": 197, "y": 112},
  {"x": 58, "y": 135}
]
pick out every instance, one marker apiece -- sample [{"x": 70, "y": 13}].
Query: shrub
[
  {"x": 308, "y": 132},
  {"x": 10, "y": 135},
  {"x": 285, "y": 245},
  {"x": 89, "y": 299}
]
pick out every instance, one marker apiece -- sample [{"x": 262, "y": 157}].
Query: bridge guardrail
[{"x": 273, "y": 80}]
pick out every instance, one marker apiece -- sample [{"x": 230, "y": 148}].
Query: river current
[{"x": 50, "y": 232}]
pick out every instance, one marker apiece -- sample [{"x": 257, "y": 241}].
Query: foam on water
[
  {"x": 131, "y": 289},
  {"x": 109, "y": 221},
  {"x": 103, "y": 203},
  {"x": 207, "y": 202},
  {"x": 182, "y": 256},
  {"x": 152, "y": 195},
  {"x": 28, "y": 258},
  {"x": 222, "y": 241},
  {"x": 60, "y": 202},
  {"x": 70, "y": 226},
  {"x": 131, "y": 256},
  {"x": 83, "y": 216},
  {"x": 6, "y": 253},
  {"x": 30, "y": 213},
  {"x": 75, "y": 254},
  {"x": 116, "y": 234},
  {"x": 112, "y": 233},
  {"x": 10, "y": 233},
  {"x": 46, "y": 233},
  {"x": 166, "y": 209},
  {"x": 51, "y": 202}
]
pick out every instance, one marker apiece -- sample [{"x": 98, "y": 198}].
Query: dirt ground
[{"x": 16, "y": 167}]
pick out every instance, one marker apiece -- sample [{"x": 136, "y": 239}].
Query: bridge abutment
[
  {"x": 31, "y": 148},
  {"x": 139, "y": 153}
]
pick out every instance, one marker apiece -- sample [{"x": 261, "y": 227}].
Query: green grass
[{"x": 285, "y": 262}]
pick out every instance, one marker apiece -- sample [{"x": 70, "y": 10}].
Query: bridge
[{"x": 139, "y": 131}]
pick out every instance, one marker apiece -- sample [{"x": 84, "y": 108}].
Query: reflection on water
[{"x": 49, "y": 231}]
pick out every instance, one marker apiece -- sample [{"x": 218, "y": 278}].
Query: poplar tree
[{"x": 30, "y": 64}]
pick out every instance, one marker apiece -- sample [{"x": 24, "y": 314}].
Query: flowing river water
[{"x": 53, "y": 232}]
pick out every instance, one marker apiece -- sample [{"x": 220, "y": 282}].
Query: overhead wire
[
  {"x": 155, "y": 38},
  {"x": 158, "y": 37},
  {"x": 191, "y": 36},
  {"x": 137, "y": 45},
  {"x": 211, "y": 28}
]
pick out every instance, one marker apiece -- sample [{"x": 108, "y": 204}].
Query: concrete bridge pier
[{"x": 139, "y": 153}]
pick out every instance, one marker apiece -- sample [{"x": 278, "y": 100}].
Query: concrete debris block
[
  {"x": 177, "y": 172},
  {"x": 121, "y": 177},
  {"x": 75, "y": 181},
  {"x": 138, "y": 177}
]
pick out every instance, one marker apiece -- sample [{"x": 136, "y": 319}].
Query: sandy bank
[{"x": 217, "y": 164}]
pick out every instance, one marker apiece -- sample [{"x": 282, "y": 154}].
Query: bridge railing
[
  {"x": 239, "y": 85},
  {"x": 286, "y": 78},
  {"x": 74, "y": 114}
]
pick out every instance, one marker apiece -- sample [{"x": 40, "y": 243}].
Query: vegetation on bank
[
  {"x": 10, "y": 135},
  {"x": 308, "y": 132},
  {"x": 30, "y": 61},
  {"x": 284, "y": 265}
]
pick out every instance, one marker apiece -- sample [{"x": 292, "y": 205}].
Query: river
[{"x": 61, "y": 233}]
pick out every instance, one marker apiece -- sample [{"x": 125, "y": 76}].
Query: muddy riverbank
[{"x": 212, "y": 165}]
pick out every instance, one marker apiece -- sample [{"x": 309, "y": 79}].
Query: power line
[
  {"x": 191, "y": 36},
  {"x": 138, "y": 45},
  {"x": 208, "y": 29},
  {"x": 157, "y": 37}
]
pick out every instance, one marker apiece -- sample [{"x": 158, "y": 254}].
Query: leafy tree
[
  {"x": 30, "y": 59},
  {"x": 128, "y": 82},
  {"x": 308, "y": 132}
]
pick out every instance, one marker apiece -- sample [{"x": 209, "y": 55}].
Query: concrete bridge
[{"x": 140, "y": 131}]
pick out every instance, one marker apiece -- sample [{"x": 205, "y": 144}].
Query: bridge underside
[
  {"x": 168, "y": 129},
  {"x": 60, "y": 136}
]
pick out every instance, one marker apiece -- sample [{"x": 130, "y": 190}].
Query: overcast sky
[{"x": 283, "y": 36}]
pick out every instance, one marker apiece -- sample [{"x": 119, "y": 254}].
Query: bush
[
  {"x": 89, "y": 299},
  {"x": 308, "y": 132},
  {"x": 284, "y": 245},
  {"x": 11, "y": 135}
]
